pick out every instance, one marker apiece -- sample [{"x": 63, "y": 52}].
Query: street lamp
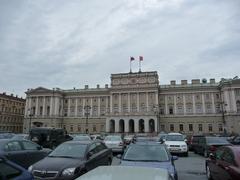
[
  {"x": 87, "y": 108},
  {"x": 30, "y": 119}
]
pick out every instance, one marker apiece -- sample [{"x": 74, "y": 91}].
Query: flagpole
[
  {"x": 130, "y": 65},
  {"x": 139, "y": 65}
]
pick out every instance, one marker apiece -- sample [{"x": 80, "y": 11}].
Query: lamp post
[
  {"x": 30, "y": 120},
  {"x": 87, "y": 108}
]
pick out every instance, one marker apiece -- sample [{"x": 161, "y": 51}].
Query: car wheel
[{"x": 208, "y": 173}]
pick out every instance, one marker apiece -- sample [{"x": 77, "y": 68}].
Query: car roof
[
  {"x": 174, "y": 134},
  {"x": 126, "y": 173},
  {"x": 150, "y": 143}
]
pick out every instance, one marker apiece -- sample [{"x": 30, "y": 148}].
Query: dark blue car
[
  {"x": 149, "y": 154},
  {"x": 10, "y": 170}
]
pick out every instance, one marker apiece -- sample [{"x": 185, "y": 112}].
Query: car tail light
[{"x": 212, "y": 148}]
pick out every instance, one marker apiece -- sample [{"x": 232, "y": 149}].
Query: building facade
[
  {"x": 11, "y": 113},
  {"x": 136, "y": 102}
]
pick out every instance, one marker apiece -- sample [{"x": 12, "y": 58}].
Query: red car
[{"x": 224, "y": 164}]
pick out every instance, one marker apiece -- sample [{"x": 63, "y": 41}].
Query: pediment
[{"x": 39, "y": 90}]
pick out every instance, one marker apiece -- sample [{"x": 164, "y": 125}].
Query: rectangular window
[
  {"x": 190, "y": 127},
  {"x": 210, "y": 127},
  {"x": 220, "y": 127},
  {"x": 181, "y": 127},
  {"x": 162, "y": 127},
  {"x": 170, "y": 110},
  {"x": 200, "y": 127},
  {"x": 171, "y": 127}
]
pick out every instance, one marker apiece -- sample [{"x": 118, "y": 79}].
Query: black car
[
  {"x": 22, "y": 152},
  {"x": 235, "y": 140},
  {"x": 10, "y": 170},
  {"x": 72, "y": 159},
  {"x": 209, "y": 144},
  {"x": 49, "y": 137}
]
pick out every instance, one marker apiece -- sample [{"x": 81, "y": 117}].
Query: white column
[
  {"x": 106, "y": 105},
  {"x": 69, "y": 101},
  {"x": 26, "y": 106},
  {"x": 166, "y": 106},
  {"x": 91, "y": 105},
  {"x": 146, "y": 126},
  {"x": 126, "y": 125},
  {"x": 136, "y": 126},
  {"x": 156, "y": 125},
  {"x": 203, "y": 103},
  {"x": 234, "y": 101},
  {"x": 175, "y": 104},
  {"x": 36, "y": 113},
  {"x": 119, "y": 103},
  {"x": 138, "y": 103},
  {"x": 156, "y": 97},
  {"x": 51, "y": 106},
  {"x": 226, "y": 101},
  {"x": 116, "y": 126},
  {"x": 76, "y": 107},
  {"x": 194, "y": 105},
  {"x": 99, "y": 104},
  {"x": 107, "y": 125},
  {"x": 57, "y": 105},
  {"x": 44, "y": 106},
  {"x": 110, "y": 103},
  {"x": 84, "y": 104},
  {"x": 184, "y": 104},
  {"x": 129, "y": 109},
  {"x": 147, "y": 101},
  {"x": 213, "y": 104}
]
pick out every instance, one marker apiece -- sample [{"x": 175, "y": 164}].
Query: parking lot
[{"x": 188, "y": 168}]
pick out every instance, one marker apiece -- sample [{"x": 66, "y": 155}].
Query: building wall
[
  {"x": 11, "y": 113},
  {"x": 212, "y": 106}
]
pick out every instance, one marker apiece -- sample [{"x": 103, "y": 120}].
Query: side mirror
[
  {"x": 185, "y": 140},
  {"x": 119, "y": 156},
  {"x": 212, "y": 156},
  {"x": 174, "y": 158}
]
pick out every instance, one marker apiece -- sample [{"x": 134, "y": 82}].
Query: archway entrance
[
  {"x": 131, "y": 126},
  {"x": 121, "y": 126},
  {"x": 112, "y": 126},
  {"x": 141, "y": 126},
  {"x": 151, "y": 126}
]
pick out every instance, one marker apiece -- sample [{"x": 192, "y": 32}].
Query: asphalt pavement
[{"x": 188, "y": 168}]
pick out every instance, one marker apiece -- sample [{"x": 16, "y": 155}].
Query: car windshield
[
  {"x": 151, "y": 153},
  {"x": 113, "y": 138},
  {"x": 81, "y": 138},
  {"x": 217, "y": 140},
  {"x": 174, "y": 138},
  {"x": 69, "y": 150}
]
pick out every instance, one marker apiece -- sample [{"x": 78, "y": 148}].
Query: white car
[
  {"x": 126, "y": 173},
  {"x": 176, "y": 144},
  {"x": 115, "y": 143}
]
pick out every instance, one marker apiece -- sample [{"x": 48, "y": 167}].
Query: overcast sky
[{"x": 66, "y": 44}]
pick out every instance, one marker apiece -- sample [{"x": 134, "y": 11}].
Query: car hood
[
  {"x": 163, "y": 165},
  {"x": 57, "y": 163},
  {"x": 175, "y": 143}
]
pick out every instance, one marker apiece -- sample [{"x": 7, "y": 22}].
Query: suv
[
  {"x": 49, "y": 137},
  {"x": 176, "y": 144}
]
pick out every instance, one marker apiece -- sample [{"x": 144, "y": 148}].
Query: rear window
[{"x": 217, "y": 140}]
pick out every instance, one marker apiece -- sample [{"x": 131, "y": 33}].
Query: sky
[{"x": 66, "y": 44}]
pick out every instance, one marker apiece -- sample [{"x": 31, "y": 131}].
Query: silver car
[{"x": 115, "y": 143}]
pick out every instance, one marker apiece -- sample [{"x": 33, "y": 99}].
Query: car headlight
[
  {"x": 68, "y": 172},
  {"x": 30, "y": 169},
  {"x": 184, "y": 146}
]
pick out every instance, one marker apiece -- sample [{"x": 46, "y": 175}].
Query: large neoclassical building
[{"x": 137, "y": 102}]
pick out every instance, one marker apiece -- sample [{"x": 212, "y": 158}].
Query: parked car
[
  {"x": 128, "y": 139},
  {"x": 224, "y": 164},
  {"x": 162, "y": 137},
  {"x": 194, "y": 142},
  {"x": 49, "y": 137},
  {"x": 81, "y": 138},
  {"x": 126, "y": 173},
  {"x": 96, "y": 137},
  {"x": 10, "y": 170},
  {"x": 22, "y": 152},
  {"x": 149, "y": 154},
  {"x": 176, "y": 144},
  {"x": 21, "y": 136},
  {"x": 209, "y": 144},
  {"x": 6, "y": 135},
  {"x": 146, "y": 139},
  {"x": 115, "y": 143},
  {"x": 72, "y": 159},
  {"x": 235, "y": 140}
]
